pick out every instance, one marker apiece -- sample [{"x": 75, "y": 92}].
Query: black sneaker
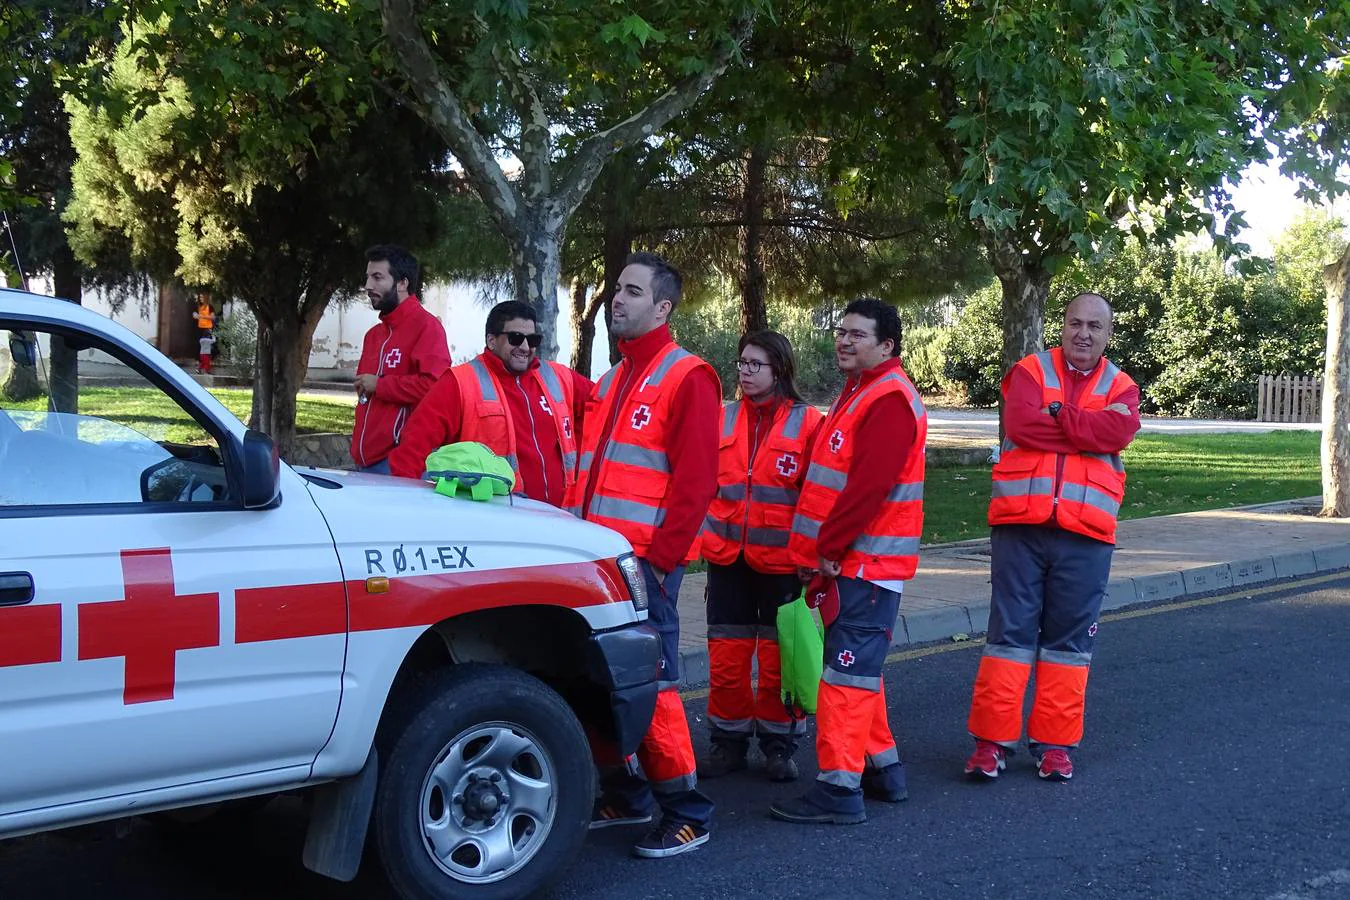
[
  {"x": 671, "y": 839},
  {"x": 801, "y": 811},
  {"x": 780, "y": 766},
  {"x": 607, "y": 815},
  {"x": 722, "y": 759}
]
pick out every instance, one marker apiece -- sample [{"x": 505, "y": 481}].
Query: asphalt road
[{"x": 1215, "y": 764}]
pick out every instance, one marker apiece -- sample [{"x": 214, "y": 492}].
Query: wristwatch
[{"x": 1053, "y": 409}]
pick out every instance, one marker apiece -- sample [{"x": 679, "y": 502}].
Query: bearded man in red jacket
[{"x": 401, "y": 357}]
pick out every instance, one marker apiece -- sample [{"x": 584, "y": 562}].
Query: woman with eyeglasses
[
  {"x": 524, "y": 409},
  {"x": 761, "y": 462}
]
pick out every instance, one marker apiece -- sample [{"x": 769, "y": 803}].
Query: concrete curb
[{"x": 930, "y": 625}]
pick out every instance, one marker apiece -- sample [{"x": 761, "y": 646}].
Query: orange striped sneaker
[
  {"x": 607, "y": 815},
  {"x": 671, "y": 839}
]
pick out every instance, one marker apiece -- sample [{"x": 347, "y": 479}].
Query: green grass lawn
[
  {"x": 151, "y": 412},
  {"x": 1165, "y": 474}
]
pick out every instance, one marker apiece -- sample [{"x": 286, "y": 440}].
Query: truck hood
[{"x": 384, "y": 511}]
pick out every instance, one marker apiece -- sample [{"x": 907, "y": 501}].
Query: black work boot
[
  {"x": 779, "y": 765},
  {"x": 722, "y": 759}
]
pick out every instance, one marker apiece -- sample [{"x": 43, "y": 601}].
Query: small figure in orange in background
[{"x": 205, "y": 316}]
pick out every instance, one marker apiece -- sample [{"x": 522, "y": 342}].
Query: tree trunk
[
  {"x": 585, "y": 306},
  {"x": 1025, "y": 290},
  {"x": 22, "y": 382},
  {"x": 282, "y": 358},
  {"x": 64, "y": 378},
  {"x": 536, "y": 268},
  {"x": 1336, "y": 392},
  {"x": 754, "y": 309}
]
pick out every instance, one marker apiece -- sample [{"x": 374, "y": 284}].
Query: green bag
[
  {"x": 801, "y": 647},
  {"x": 470, "y": 466}
]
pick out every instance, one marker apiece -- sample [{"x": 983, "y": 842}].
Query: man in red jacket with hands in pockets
[{"x": 401, "y": 357}]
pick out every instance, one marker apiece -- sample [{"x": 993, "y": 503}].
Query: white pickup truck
[{"x": 185, "y": 621}]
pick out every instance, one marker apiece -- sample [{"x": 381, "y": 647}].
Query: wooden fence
[{"x": 1288, "y": 398}]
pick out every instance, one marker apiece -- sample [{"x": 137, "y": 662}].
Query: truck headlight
[{"x": 631, "y": 570}]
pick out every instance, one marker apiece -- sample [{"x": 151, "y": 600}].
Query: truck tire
[{"x": 485, "y": 788}]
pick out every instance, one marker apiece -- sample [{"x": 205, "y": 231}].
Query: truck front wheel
[{"x": 486, "y": 788}]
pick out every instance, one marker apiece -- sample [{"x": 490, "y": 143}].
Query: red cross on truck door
[{"x": 156, "y": 640}]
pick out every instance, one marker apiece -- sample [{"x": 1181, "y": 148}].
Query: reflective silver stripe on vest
[
  {"x": 731, "y": 491},
  {"x": 606, "y": 382},
  {"x": 1108, "y": 378},
  {"x": 486, "y": 386},
  {"x": 1019, "y": 487},
  {"x": 733, "y": 632},
  {"x": 664, "y": 367},
  {"x": 915, "y": 403},
  {"x": 728, "y": 531},
  {"x": 906, "y": 493},
  {"x": 1065, "y": 657},
  {"x": 627, "y": 511},
  {"x": 1111, "y": 459},
  {"x": 730, "y": 413},
  {"x": 805, "y": 526},
  {"x": 1049, "y": 376},
  {"x": 570, "y": 462},
  {"x": 768, "y": 537},
  {"x": 633, "y": 455},
  {"x": 1012, "y": 654},
  {"x": 763, "y": 493},
  {"x": 826, "y": 477},
  {"x": 863, "y": 682},
  {"x": 881, "y": 545},
  {"x": 1089, "y": 496},
  {"x": 574, "y": 510},
  {"x": 792, "y": 428},
  {"x": 889, "y": 376},
  {"x": 675, "y": 785},
  {"x": 586, "y": 459},
  {"x": 551, "y": 383},
  {"x": 887, "y": 757},
  {"x": 841, "y": 778},
  {"x": 732, "y": 726}
]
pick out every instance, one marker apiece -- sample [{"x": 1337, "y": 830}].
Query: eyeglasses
[
  {"x": 515, "y": 337},
  {"x": 752, "y": 366},
  {"x": 853, "y": 335}
]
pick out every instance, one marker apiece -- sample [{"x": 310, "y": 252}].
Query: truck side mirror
[{"x": 262, "y": 471}]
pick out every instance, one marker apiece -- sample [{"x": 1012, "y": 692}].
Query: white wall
[{"x": 337, "y": 340}]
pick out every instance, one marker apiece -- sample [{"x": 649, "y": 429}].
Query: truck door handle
[{"x": 16, "y": 588}]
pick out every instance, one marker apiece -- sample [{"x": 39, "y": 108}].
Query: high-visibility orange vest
[
  {"x": 486, "y": 416},
  {"x": 888, "y": 548},
  {"x": 633, "y": 476},
  {"x": 1086, "y": 498},
  {"x": 755, "y": 501}
]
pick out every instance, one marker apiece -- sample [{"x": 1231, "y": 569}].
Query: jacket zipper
[
  {"x": 379, "y": 370},
  {"x": 534, "y": 434}
]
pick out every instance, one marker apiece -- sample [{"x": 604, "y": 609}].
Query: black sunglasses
[{"x": 515, "y": 337}]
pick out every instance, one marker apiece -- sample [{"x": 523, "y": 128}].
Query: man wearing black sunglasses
[{"x": 524, "y": 409}]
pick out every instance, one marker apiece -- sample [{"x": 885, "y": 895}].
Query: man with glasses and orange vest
[
  {"x": 523, "y": 409},
  {"x": 761, "y": 464},
  {"x": 1057, "y": 487},
  {"x": 858, "y": 523},
  {"x": 648, "y": 470}
]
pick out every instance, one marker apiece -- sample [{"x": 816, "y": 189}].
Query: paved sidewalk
[{"x": 1156, "y": 559}]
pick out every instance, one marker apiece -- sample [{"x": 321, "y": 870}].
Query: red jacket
[
  {"x": 439, "y": 419},
  {"x": 408, "y": 351},
  {"x": 691, "y": 449}
]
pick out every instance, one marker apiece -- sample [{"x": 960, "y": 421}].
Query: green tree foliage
[
  {"x": 1065, "y": 126},
  {"x": 167, "y": 178}
]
